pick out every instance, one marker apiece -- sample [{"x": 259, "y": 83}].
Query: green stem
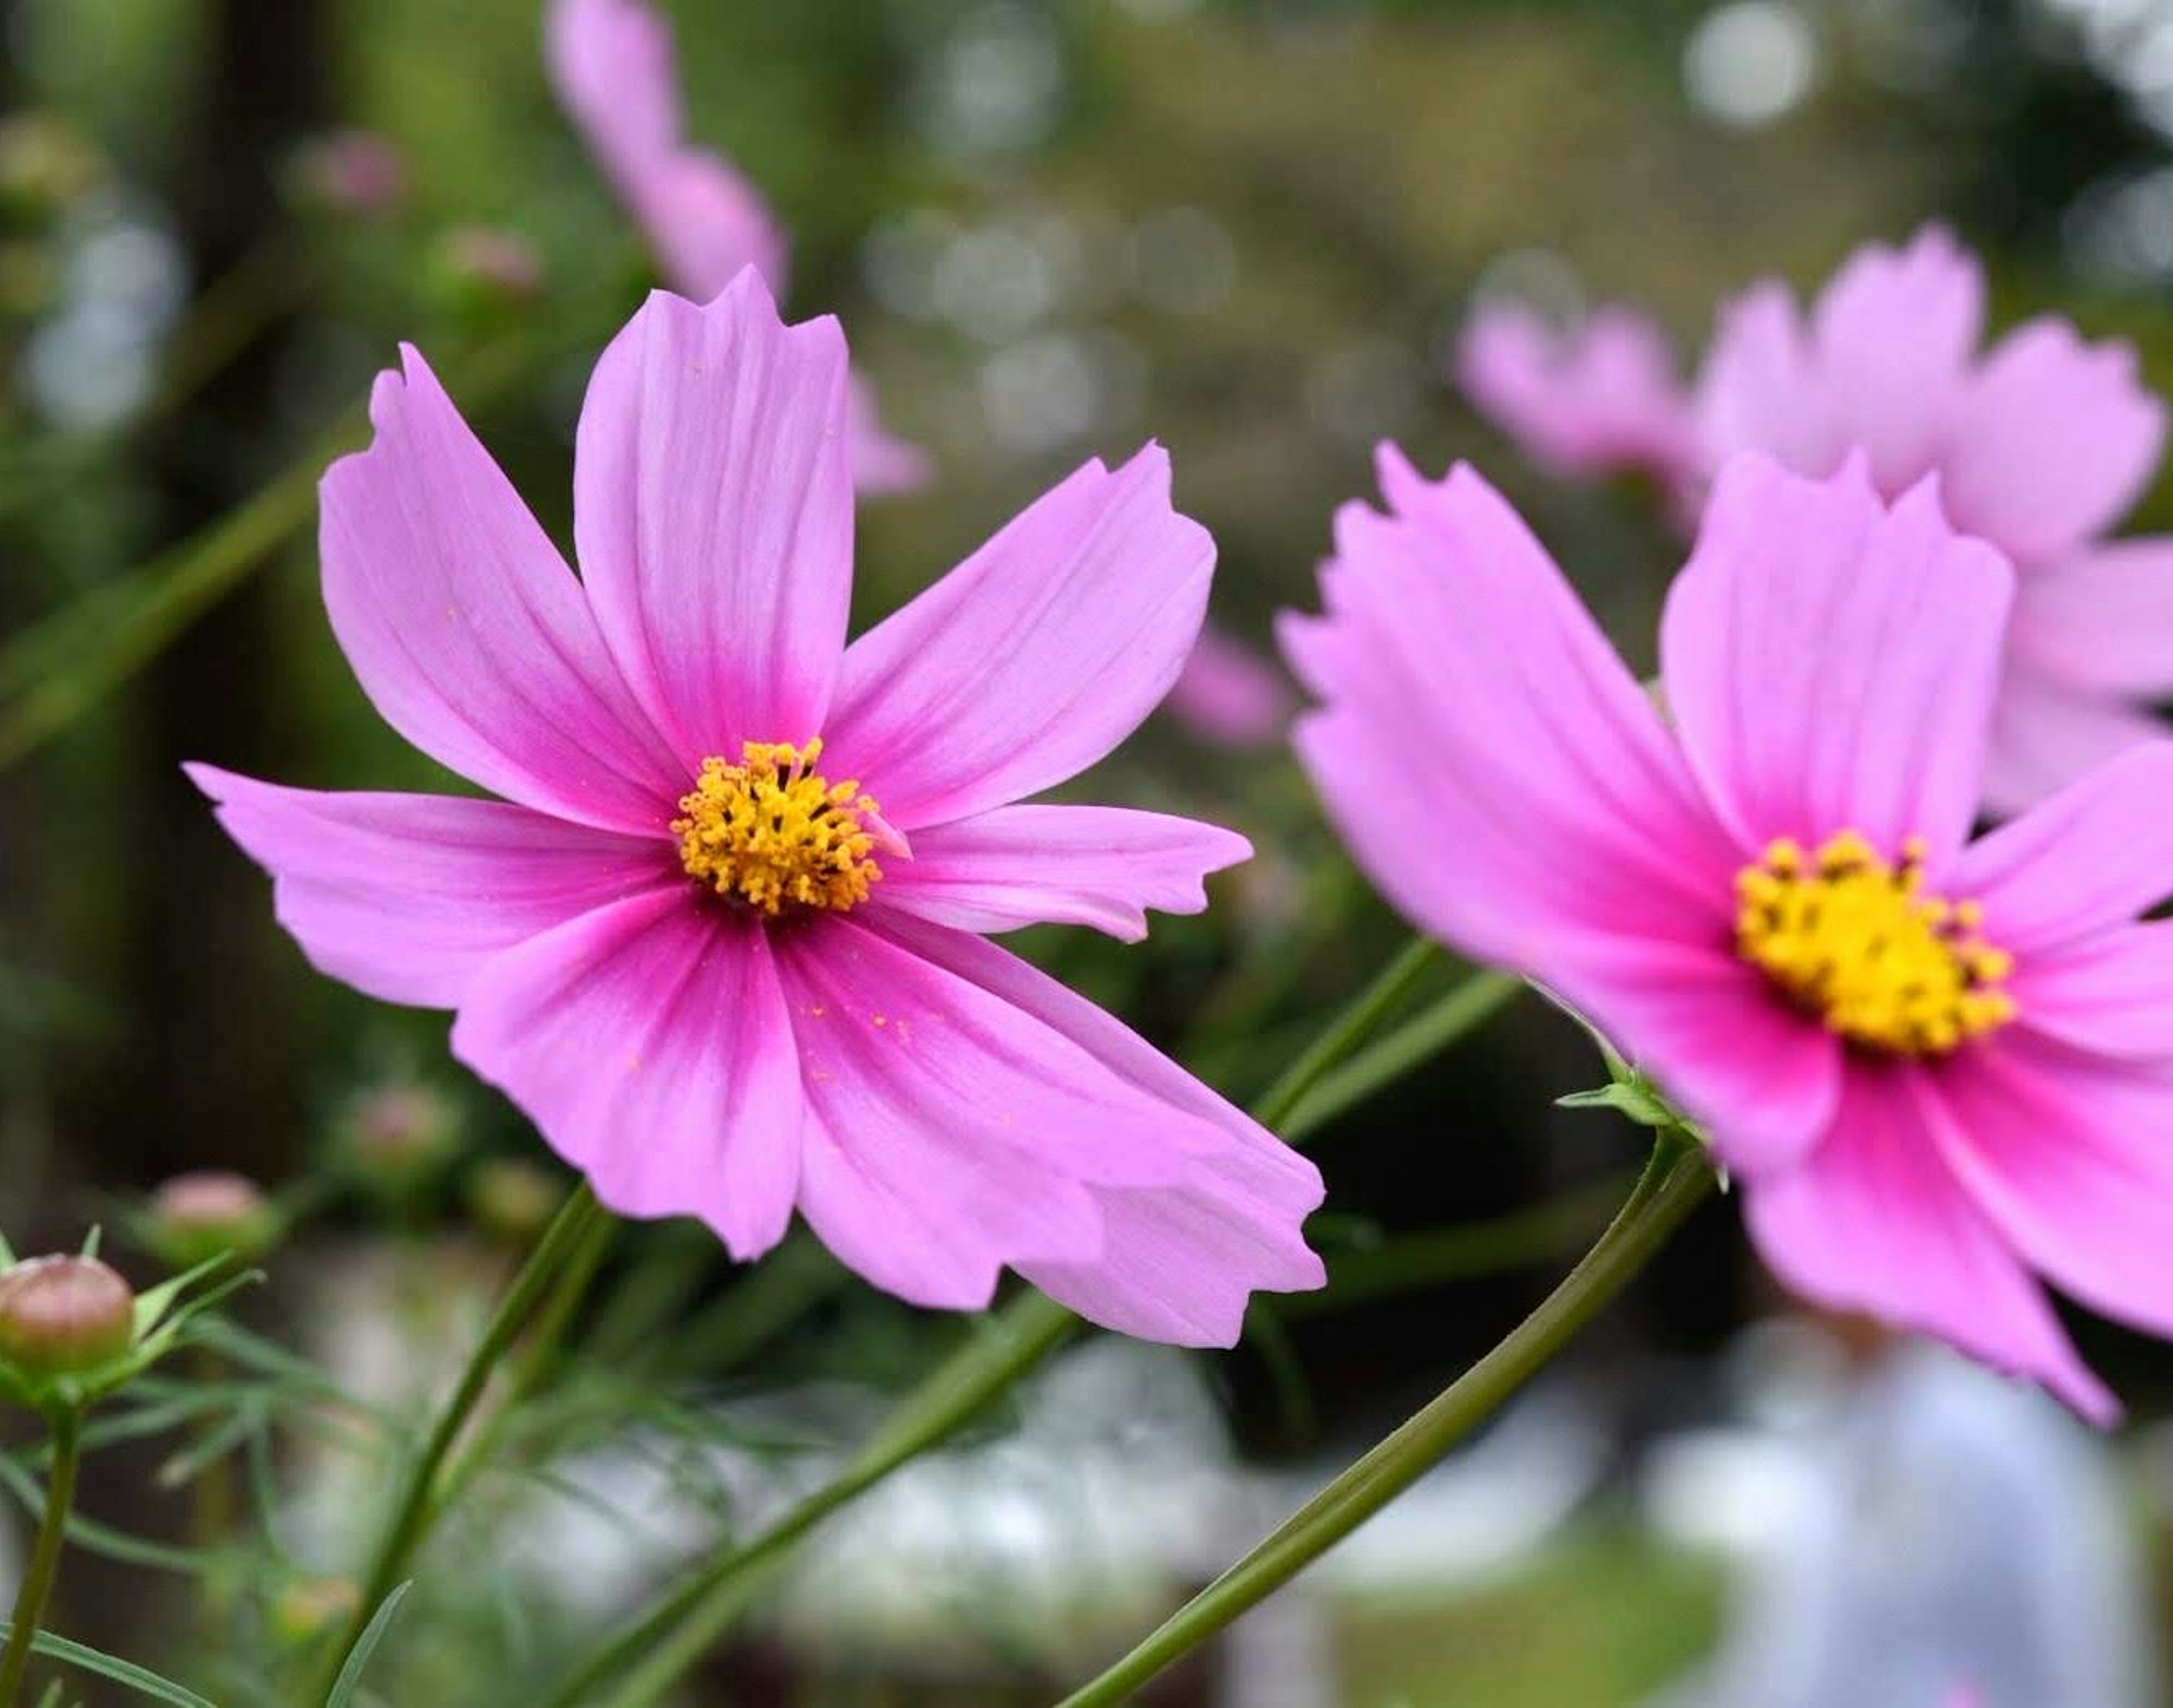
[
  {"x": 644, "y": 1659},
  {"x": 418, "y": 1508},
  {"x": 45, "y": 1557},
  {"x": 1676, "y": 1180},
  {"x": 1424, "y": 1036}
]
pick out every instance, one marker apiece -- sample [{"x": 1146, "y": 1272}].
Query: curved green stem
[
  {"x": 37, "y": 1587},
  {"x": 1676, "y": 1180},
  {"x": 643, "y": 1658},
  {"x": 417, "y": 1507},
  {"x": 1388, "y": 1059}
]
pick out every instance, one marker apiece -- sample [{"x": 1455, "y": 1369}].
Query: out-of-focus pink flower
[
  {"x": 1594, "y": 399},
  {"x": 502, "y": 264},
  {"x": 723, "y": 980},
  {"x": 2041, "y": 442},
  {"x": 1937, "y": 1066},
  {"x": 611, "y": 62},
  {"x": 353, "y": 172},
  {"x": 1229, "y": 695}
]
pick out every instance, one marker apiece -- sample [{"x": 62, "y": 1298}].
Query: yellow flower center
[
  {"x": 1856, "y": 942},
  {"x": 770, "y": 831}
]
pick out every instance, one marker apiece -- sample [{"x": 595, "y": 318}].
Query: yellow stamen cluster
[
  {"x": 769, "y": 833},
  {"x": 1858, "y": 943}
]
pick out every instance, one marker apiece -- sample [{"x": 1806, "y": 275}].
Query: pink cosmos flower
[
  {"x": 1229, "y": 695},
  {"x": 611, "y": 62},
  {"x": 1940, "y": 1069},
  {"x": 1599, "y": 398},
  {"x": 688, "y": 942},
  {"x": 2041, "y": 444},
  {"x": 352, "y": 172}
]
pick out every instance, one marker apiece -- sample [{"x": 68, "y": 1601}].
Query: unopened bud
[
  {"x": 512, "y": 1199},
  {"x": 350, "y": 172},
  {"x": 62, "y": 1314},
  {"x": 309, "y": 1607},
  {"x": 394, "y": 1136},
  {"x": 199, "y": 1216},
  {"x": 484, "y": 273}
]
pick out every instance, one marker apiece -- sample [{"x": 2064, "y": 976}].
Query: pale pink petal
[
  {"x": 1874, "y": 1221},
  {"x": 2097, "y": 854},
  {"x": 1601, "y": 398},
  {"x": 406, "y": 896},
  {"x": 713, "y": 512},
  {"x": 648, "y": 1042},
  {"x": 1830, "y": 664},
  {"x": 882, "y": 461},
  {"x": 1892, "y": 334},
  {"x": 1494, "y": 768},
  {"x": 1179, "y": 1262},
  {"x": 611, "y": 62},
  {"x": 2047, "y": 733},
  {"x": 1229, "y": 695},
  {"x": 467, "y": 631},
  {"x": 1034, "y": 657},
  {"x": 2072, "y": 1157},
  {"x": 2101, "y": 621},
  {"x": 1759, "y": 389},
  {"x": 1103, "y": 866},
  {"x": 2050, "y": 442},
  {"x": 2111, "y": 992},
  {"x": 1760, "y": 1076}
]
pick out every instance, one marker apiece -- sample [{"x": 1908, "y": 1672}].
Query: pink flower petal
[
  {"x": 957, "y": 1133},
  {"x": 1892, "y": 334},
  {"x": 649, "y": 1043},
  {"x": 1759, "y": 389},
  {"x": 1486, "y": 756},
  {"x": 1177, "y": 1262},
  {"x": 1228, "y": 695},
  {"x": 1601, "y": 397},
  {"x": 2110, "y": 992},
  {"x": 2102, "y": 620},
  {"x": 2047, "y": 734},
  {"x": 467, "y": 631},
  {"x": 712, "y": 511},
  {"x": 1101, "y": 866},
  {"x": 2069, "y": 1156},
  {"x": 611, "y": 64},
  {"x": 882, "y": 461},
  {"x": 1034, "y": 657},
  {"x": 1876, "y": 1221},
  {"x": 2097, "y": 854},
  {"x": 1830, "y": 664},
  {"x": 2050, "y": 443},
  {"x": 1760, "y": 1077},
  {"x": 407, "y": 895}
]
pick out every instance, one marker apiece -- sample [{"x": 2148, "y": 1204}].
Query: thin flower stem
[
  {"x": 642, "y": 1660},
  {"x": 37, "y": 1586},
  {"x": 1417, "y": 1040},
  {"x": 1675, "y": 1182},
  {"x": 418, "y": 1506}
]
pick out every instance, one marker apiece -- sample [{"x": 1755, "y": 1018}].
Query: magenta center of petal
[
  {"x": 770, "y": 831},
  {"x": 1859, "y": 942}
]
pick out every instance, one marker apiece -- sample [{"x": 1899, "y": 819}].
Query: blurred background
[{"x": 1053, "y": 230}]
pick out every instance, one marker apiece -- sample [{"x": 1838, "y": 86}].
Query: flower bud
[
  {"x": 212, "y": 1213},
  {"x": 512, "y": 1199},
  {"x": 485, "y": 275},
  {"x": 353, "y": 173},
  {"x": 59, "y": 1315},
  {"x": 396, "y": 1136},
  {"x": 309, "y": 1606}
]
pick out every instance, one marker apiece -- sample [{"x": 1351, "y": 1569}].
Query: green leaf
[
  {"x": 7, "y": 1254},
  {"x": 140, "y": 1680},
  {"x": 350, "y": 1675},
  {"x": 91, "y": 1239}
]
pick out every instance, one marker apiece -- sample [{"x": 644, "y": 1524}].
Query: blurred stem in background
[
  {"x": 641, "y": 1661},
  {"x": 571, "y": 1232},
  {"x": 1676, "y": 1180},
  {"x": 37, "y": 1586}
]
